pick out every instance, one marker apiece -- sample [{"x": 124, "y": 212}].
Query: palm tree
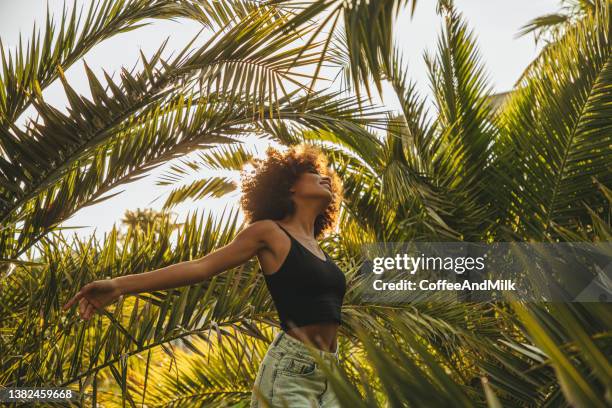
[
  {"x": 473, "y": 173},
  {"x": 140, "y": 221}
]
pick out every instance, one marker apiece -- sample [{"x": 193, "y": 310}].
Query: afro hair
[{"x": 265, "y": 191}]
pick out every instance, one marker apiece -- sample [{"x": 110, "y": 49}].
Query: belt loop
[{"x": 275, "y": 343}]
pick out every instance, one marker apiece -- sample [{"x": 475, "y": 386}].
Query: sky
[{"x": 495, "y": 24}]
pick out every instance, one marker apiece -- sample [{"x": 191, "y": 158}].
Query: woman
[{"x": 290, "y": 199}]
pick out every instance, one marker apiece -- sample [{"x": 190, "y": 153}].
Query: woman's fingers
[
  {"x": 80, "y": 294},
  {"x": 72, "y": 301},
  {"x": 91, "y": 297},
  {"x": 89, "y": 312},
  {"x": 83, "y": 306}
]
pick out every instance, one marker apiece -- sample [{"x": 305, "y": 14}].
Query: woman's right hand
[{"x": 95, "y": 296}]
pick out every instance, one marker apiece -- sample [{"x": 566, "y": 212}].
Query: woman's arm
[
  {"x": 98, "y": 294},
  {"x": 244, "y": 246}
]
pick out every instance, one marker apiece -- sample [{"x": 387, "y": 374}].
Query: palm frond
[
  {"x": 154, "y": 100},
  {"x": 367, "y": 33},
  {"x": 207, "y": 370},
  {"x": 575, "y": 11},
  {"x": 221, "y": 157},
  {"x": 35, "y": 63},
  {"x": 551, "y": 149},
  {"x": 553, "y": 24},
  {"x": 551, "y": 331},
  {"x": 210, "y": 187},
  {"x": 436, "y": 168},
  {"x": 137, "y": 323}
]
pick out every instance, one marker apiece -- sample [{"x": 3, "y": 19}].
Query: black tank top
[{"x": 306, "y": 289}]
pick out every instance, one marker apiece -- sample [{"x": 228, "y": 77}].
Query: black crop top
[{"x": 306, "y": 289}]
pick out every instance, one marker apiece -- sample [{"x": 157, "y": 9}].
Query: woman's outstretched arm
[
  {"x": 246, "y": 244},
  {"x": 98, "y": 294}
]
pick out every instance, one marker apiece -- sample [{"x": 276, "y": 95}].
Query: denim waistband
[{"x": 289, "y": 343}]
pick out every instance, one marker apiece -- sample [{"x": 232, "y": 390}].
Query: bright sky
[{"x": 495, "y": 23}]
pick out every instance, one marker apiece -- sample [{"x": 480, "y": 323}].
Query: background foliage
[{"x": 529, "y": 165}]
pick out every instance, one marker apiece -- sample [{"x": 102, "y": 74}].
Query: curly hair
[{"x": 265, "y": 192}]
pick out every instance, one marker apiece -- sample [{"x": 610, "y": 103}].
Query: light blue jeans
[{"x": 290, "y": 377}]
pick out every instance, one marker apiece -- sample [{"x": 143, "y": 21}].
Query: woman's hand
[{"x": 95, "y": 296}]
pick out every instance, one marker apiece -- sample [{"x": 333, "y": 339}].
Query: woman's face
[{"x": 312, "y": 184}]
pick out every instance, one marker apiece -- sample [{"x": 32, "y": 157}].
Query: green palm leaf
[
  {"x": 552, "y": 149},
  {"x": 64, "y": 44},
  {"x": 220, "y": 158}
]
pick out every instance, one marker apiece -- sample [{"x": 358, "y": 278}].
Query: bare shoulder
[
  {"x": 272, "y": 249},
  {"x": 262, "y": 226},
  {"x": 261, "y": 230}
]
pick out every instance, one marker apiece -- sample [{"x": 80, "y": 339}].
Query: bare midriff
[{"x": 319, "y": 335}]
